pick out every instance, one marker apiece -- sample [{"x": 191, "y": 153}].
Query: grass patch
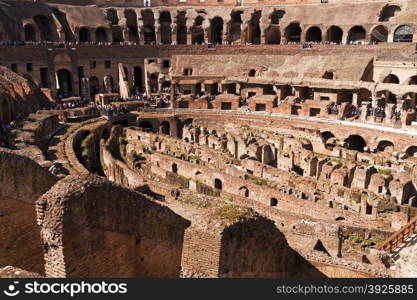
[{"x": 233, "y": 212}]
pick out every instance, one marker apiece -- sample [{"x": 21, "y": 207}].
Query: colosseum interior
[{"x": 208, "y": 138}]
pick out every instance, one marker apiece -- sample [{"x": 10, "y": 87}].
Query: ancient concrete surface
[{"x": 129, "y": 236}]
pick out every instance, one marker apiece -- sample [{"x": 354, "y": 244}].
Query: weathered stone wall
[
  {"x": 22, "y": 181},
  {"x": 93, "y": 228}
]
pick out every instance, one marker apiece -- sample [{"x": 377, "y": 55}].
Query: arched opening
[
  {"x": 356, "y": 34},
  {"x": 137, "y": 79},
  {"x": 387, "y": 12},
  {"x": 386, "y": 146},
  {"x": 108, "y": 84},
  {"x": 216, "y": 30},
  {"x": 244, "y": 192},
  {"x": 174, "y": 168},
  {"x": 112, "y": 16},
  {"x": 101, "y": 36},
  {"x": 391, "y": 78},
  {"x": 335, "y": 34},
  {"x": 153, "y": 83},
  {"x": 165, "y": 27},
  {"x": 329, "y": 75},
  {"x": 412, "y": 80},
  {"x": 379, "y": 34},
  {"x": 273, "y": 202},
  {"x": 149, "y": 35},
  {"x": 326, "y": 135},
  {"x": 146, "y": 125},
  {"x": 411, "y": 151},
  {"x": 181, "y": 28},
  {"x": 252, "y": 73},
  {"x": 198, "y": 31},
  {"x": 273, "y": 35},
  {"x": 84, "y": 35},
  {"x": 45, "y": 28},
  {"x": 182, "y": 36},
  {"x": 293, "y": 33},
  {"x": 404, "y": 34},
  {"x": 254, "y": 29},
  {"x": 30, "y": 34},
  {"x": 235, "y": 23},
  {"x": 165, "y": 128},
  {"x": 132, "y": 25},
  {"x": 355, "y": 142},
  {"x": 64, "y": 83},
  {"x": 313, "y": 34},
  {"x": 276, "y": 16},
  {"x": 149, "y": 26},
  {"x": 218, "y": 184},
  {"x": 94, "y": 85}
]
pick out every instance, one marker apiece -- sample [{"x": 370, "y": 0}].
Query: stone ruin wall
[{"x": 22, "y": 181}]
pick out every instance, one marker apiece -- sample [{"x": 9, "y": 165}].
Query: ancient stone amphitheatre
[{"x": 208, "y": 138}]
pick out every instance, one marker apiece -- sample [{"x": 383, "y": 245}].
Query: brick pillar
[
  {"x": 189, "y": 35},
  {"x": 141, "y": 31}
]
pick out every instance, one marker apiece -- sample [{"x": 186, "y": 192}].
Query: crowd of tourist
[{"x": 112, "y": 110}]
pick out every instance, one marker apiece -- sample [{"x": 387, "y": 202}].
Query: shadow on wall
[
  {"x": 100, "y": 229},
  {"x": 22, "y": 181},
  {"x": 256, "y": 248}
]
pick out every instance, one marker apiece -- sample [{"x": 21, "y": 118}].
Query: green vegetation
[
  {"x": 385, "y": 171},
  {"x": 245, "y": 126},
  {"x": 356, "y": 239},
  {"x": 233, "y": 212}
]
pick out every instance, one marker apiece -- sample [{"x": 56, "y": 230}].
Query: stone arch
[
  {"x": 149, "y": 34},
  {"x": 356, "y": 34},
  {"x": 84, "y": 35},
  {"x": 182, "y": 28},
  {"x": 216, "y": 32},
  {"x": 235, "y": 26},
  {"x": 101, "y": 35},
  {"x": 314, "y": 34},
  {"x": 146, "y": 125},
  {"x": 132, "y": 25},
  {"x": 174, "y": 168},
  {"x": 165, "y": 128},
  {"x": 411, "y": 151},
  {"x": 388, "y": 11},
  {"x": 130, "y": 224},
  {"x": 65, "y": 87},
  {"x": 355, "y": 142},
  {"x": 244, "y": 191},
  {"x": 379, "y": 34},
  {"x": 218, "y": 184},
  {"x": 254, "y": 28},
  {"x": 412, "y": 80},
  {"x": 249, "y": 248},
  {"x": 30, "y": 33},
  {"x": 273, "y": 35},
  {"x": 138, "y": 78},
  {"x": 94, "y": 85},
  {"x": 165, "y": 21},
  {"x": 111, "y": 15},
  {"x": 293, "y": 32},
  {"x": 391, "y": 78},
  {"x": 404, "y": 34},
  {"x": 46, "y": 28},
  {"x": 148, "y": 26},
  {"x": 335, "y": 34},
  {"x": 276, "y": 16},
  {"x": 273, "y": 201},
  {"x": 385, "y": 145},
  {"x": 197, "y": 35}
]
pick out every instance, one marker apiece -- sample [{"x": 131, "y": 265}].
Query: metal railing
[{"x": 398, "y": 238}]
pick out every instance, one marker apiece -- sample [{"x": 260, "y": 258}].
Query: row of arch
[{"x": 215, "y": 30}]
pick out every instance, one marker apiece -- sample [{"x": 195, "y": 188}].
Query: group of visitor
[{"x": 333, "y": 109}]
